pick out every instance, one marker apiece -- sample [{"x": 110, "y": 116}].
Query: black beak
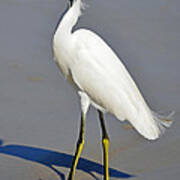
[{"x": 70, "y": 3}]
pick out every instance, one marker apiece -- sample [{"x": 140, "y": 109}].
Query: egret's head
[{"x": 70, "y": 3}]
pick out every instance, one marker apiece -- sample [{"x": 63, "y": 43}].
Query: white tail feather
[
  {"x": 151, "y": 125},
  {"x": 163, "y": 121}
]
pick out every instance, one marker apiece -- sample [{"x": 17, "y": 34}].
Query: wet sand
[{"x": 39, "y": 111}]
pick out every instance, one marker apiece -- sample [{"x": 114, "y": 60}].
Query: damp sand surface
[{"x": 39, "y": 111}]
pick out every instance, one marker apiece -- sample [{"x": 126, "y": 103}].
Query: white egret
[{"x": 102, "y": 81}]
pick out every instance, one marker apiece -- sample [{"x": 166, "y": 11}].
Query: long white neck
[{"x": 70, "y": 18}]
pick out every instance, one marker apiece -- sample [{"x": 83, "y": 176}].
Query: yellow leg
[
  {"x": 106, "y": 158},
  {"x": 79, "y": 148},
  {"x": 105, "y": 142}
]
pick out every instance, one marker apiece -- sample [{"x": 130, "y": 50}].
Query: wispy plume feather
[{"x": 163, "y": 121}]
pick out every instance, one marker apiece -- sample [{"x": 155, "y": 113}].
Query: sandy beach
[{"x": 40, "y": 112}]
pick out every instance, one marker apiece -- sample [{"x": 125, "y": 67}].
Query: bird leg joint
[{"x": 105, "y": 141}]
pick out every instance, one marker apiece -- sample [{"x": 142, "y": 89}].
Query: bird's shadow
[{"x": 52, "y": 158}]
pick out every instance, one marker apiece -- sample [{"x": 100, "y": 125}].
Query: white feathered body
[{"x": 91, "y": 65}]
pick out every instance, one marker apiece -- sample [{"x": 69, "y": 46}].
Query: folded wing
[{"x": 100, "y": 73}]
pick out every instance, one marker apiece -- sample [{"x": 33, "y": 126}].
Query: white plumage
[{"x": 91, "y": 65}]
